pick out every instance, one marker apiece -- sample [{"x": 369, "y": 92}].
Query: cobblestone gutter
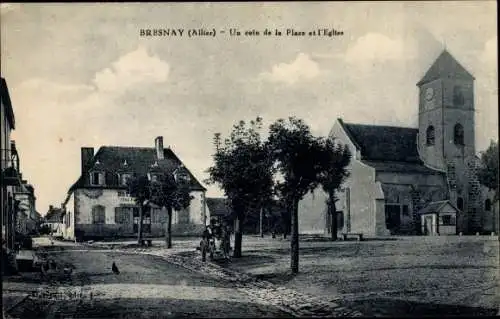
[{"x": 288, "y": 300}]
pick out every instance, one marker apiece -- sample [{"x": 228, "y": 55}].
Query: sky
[{"x": 81, "y": 74}]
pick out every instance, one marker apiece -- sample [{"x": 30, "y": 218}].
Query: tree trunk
[
  {"x": 139, "y": 226},
  {"x": 168, "y": 231},
  {"x": 238, "y": 237},
  {"x": 261, "y": 223},
  {"x": 333, "y": 215},
  {"x": 294, "y": 242}
]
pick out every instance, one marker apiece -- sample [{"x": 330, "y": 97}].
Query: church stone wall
[
  {"x": 363, "y": 189},
  {"x": 398, "y": 189},
  {"x": 431, "y": 114}
]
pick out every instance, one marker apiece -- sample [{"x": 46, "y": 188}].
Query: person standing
[{"x": 226, "y": 238}]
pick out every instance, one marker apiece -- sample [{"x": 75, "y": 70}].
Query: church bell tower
[{"x": 446, "y": 140}]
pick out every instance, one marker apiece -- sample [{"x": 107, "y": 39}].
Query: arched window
[
  {"x": 98, "y": 214},
  {"x": 430, "y": 136},
  {"x": 487, "y": 205},
  {"x": 458, "y": 96},
  {"x": 458, "y": 134},
  {"x": 460, "y": 203}
]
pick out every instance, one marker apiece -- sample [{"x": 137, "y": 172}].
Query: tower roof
[{"x": 445, "y": 66}]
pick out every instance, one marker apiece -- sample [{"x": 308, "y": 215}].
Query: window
[
  {"x": 97, "y": 178},
  {"x": 183, "y": 216},
  {"x": 487, "y": 205},
  {"x": 181, "y": 176},
  {"x": 153, "y": 177},
  {"x": 458, "y": 96},
  {"x": 98, "y": 214},
  {"x": 430, "y": 135},
  {"x": 123, "y": 194},
  {"x": 146, "y": 221},
  {"x": 123, "y": 215},
  {"x": 158, "y": 216},
  {"x": 94, "y": 178},
  {"x": 340, "y": 220},
  {"x": 124, "y": 179},
  {"x": 448, "y": 220},
  {"x": 406, "y": 212},
  {"x": 458, "y": 134},
  {"x": 460, "y": 203}
]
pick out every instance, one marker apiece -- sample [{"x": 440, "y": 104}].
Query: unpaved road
[{"x": 147, "y": 287}]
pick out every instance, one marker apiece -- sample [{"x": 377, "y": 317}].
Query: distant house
[
  {"x": 26, "y": 213},
  {"x": 54, "y": 219},
  {"x": 397, "y": 171},
  {"x": 439, "y": 218},
  {"x": 98, "y": 203},
  {"x": 219, "y": 209},
  {"x": 274, "y": 216}
]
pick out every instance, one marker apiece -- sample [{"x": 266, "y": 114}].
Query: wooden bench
[{"x": 359, "y": 236}]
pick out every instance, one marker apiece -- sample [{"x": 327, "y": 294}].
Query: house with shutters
[
  {"x": 98, "y": 203},
  {"x": 400, "y": 174}
]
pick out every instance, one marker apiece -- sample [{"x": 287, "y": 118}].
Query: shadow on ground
[
  {"x": 147, "y": 308},
  {"x": 387, "y": 307}
]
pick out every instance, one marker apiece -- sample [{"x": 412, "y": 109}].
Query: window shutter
[
  {"x": 118, "y": 215},
  {"x": 101, "y": 178}
]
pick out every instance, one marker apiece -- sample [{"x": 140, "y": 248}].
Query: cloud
[
  {"x": 8, "y": 7},
  {"x": 376, "y": 47},
  {"x": 137, "y": 67},
  {"x": 302, "y": 68}
]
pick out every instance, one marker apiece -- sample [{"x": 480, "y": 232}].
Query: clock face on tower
[{"x": 429, "y": 94}]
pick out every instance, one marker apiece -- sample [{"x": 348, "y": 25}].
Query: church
[{"x": 409, "y": 181}]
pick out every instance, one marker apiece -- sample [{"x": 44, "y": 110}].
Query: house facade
[
  {"x": 9, "y": 166},
  {"x": 398, "y": 171},
  {"x": 98, "y": 204},
  {"x": 55, "y": 220},
  {"x": 26, "y": 218}
]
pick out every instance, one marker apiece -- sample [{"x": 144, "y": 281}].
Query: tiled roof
[
  {"x": 445, "y": 66},
  {"x": 384, "y": 143},
  {"x": 435, "y": 207},
  {"x": 139, "y": 160},
  {"x": 5, "y": 96},
  {"x": 401, "y": 167},
  {"x": 54, "y": 215}
]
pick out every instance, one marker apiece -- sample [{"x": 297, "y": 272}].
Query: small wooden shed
[{"x": 439, "y": 218}]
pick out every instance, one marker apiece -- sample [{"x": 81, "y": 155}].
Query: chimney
[
  {"x": 51, "y": 208},
  {"x": 159, "y": 148},
  {"x": 87, "y": 155}
]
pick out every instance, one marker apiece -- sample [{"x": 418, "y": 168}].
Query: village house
[
  {"x": 274, "y": 216},
  {"x": 55, "y": 221},
  {"x": 98, "y": 204},
  {"x": 9, "y": 167},
  {"x": 26, "y": 219},
  {"x": 412, "y": 180},
  {"x": 17, "y": 196}
]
